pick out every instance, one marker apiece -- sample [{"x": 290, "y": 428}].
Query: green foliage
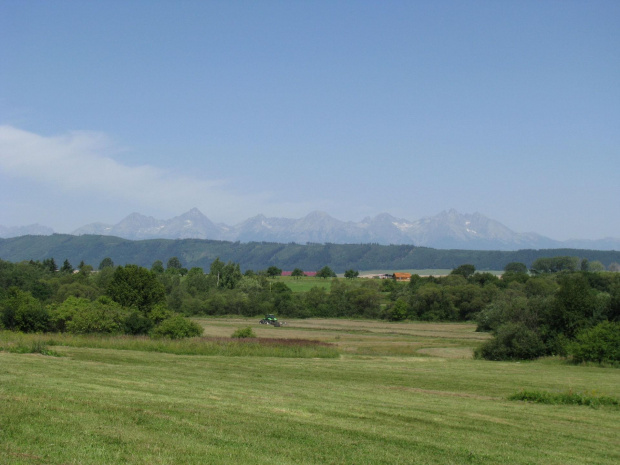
[
  {"x": 432, "y": 302},
  {"x": 515, "y": 267},
  {"x": 325, "y": 272},
  {"x": 136, "y": 323},
  {"x": 576, "y": 305},
  {"x": 174, "y": 264},
  {"x": 101, "y": 316},
  {"x": 224, "y": 347},
  {"x": 50, "y": 264},
  {"x": 273, "y": 271},
  {"x": 157, "y": 267},
  {"x": 66, "y": 267},
  {"x": 600, "y": 344},
  {"x": 555, "y": 264},
  {"x": 242, "y": 333},
  {"x": 134, "y": 286},
  {"x": 36, "y": 346},
  {"x": 397, "y": 311},
  {"x": 513, "y": 341},
  {"x": 547, "y": 310},
  {"x": 351, "y": 274},
  {"x": 590, "y": 399},
  {"x": 20, "y": 311},
  {"x": 258, "y": 256},
  {"x": 297, "y": 273},
  {"x": 196, "y": 282},
  {"x": 464, "y": 270},
  {"x": 106, "y": 263},
  {"x": 177, "y": 327},
  {"x": 225, "y": 276}
]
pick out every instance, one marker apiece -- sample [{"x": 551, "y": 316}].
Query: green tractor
[{"x": 271, "y": 320}]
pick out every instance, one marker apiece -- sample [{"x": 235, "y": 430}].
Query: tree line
[
  {"x": 261, "y": 255},
  {"x": 542, "y": 310}
]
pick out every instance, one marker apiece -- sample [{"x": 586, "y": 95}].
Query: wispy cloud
[{"x": 85, "y": 162}]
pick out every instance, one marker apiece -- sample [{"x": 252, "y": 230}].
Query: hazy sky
[{"x": 507, "y": 108}]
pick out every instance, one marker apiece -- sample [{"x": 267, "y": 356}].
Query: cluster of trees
[
  {"x": 555, "y": 307},
  {"x": 531, "y": 313},
  {"x": 39, "y": 296},
  {"x": 36, "y": 297}
]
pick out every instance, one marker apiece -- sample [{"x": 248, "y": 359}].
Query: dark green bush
[
  {"x": 177, "y": 327},
  {"x": 22, "y": 312},
  {"x": 565, "y": 398},
  {"x": 513, "y": 341},
  {"x": 136, "y": 323},
  {"x": 600, "y": 344},
  {"x": 242, "y": 333}
]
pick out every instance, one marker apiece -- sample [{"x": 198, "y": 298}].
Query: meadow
[{"x": 396, "y": 393}]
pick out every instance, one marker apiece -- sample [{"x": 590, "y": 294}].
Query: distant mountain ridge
[
  {"x": 447, "y": 230},
  {"x": 30, "y": 230}
]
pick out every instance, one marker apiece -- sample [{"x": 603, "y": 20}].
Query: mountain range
[{"x": 447, "y": 230}]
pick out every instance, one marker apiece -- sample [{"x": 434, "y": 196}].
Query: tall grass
[
  {"x": 255, "y": 347},
  {"x": 23, "y": 344},
  {"x": 590, "y": 399}
]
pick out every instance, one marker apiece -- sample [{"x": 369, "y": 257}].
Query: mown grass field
[
  {"x": 399, "y": 393},
  {"x": 304, "y": 284}
]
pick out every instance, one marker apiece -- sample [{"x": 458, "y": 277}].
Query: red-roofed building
[{"x": 402, "y": 276}]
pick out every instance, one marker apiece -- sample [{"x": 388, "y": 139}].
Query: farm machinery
[{"x": 271, "y": 320}]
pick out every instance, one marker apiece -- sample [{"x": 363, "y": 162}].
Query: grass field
[
  {"x": 399, "y": 393},
  {"x": 304, "y": 284}
]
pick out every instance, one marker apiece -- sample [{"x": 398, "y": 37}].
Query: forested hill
[{"x": 260, "y": 255}]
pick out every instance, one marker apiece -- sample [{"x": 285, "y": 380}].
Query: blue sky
[{"x": 510, "y": 109}]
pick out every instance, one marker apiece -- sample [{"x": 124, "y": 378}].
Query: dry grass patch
[{"x": 366, "y": 337}]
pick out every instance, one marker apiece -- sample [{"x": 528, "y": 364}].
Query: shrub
[
  {"x": 243, "y": 333},
  {"x": 101, "y": 316},
  {"x": 565, "y": 398},
  {"x": 599, "y": 344},
  {"x": 136, "y": 323},
  {"x": 513, "y": 341},
  {"x": 22, "y": 312},
  {"x": 177, "y": 327}
]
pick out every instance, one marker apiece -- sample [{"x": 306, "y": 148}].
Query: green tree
[
  {"x": 464, "y": 270},
  {"x": 196, "y": 282},
  {"x": 137, "y": 287},
  {"x": 274, "y": 271},
  {"x": 66, "y": 267},
  {"x": 513, "y": 341},
  {"x": 157, "y": 267},
  {"x": 174, "y": 264},
  {"x": 106, "y": 263},
  {"x": 351, "y": 274},
  {"x": 515, "y": 267},
  {"x": 398, "y": 311},
  {"x": 596, "y": 265},
  {"x": 554, "y": 264},
  {"x": 297, "y": 273},
  {"x": 575, "y": 305},
  {"x": 50, "y": 264},
  {"x": 100, "y": 316},
  {"x": 599, "y": 344},
  {"x": 325, "y": 272},
  {"x": 20, "y": 311}
]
